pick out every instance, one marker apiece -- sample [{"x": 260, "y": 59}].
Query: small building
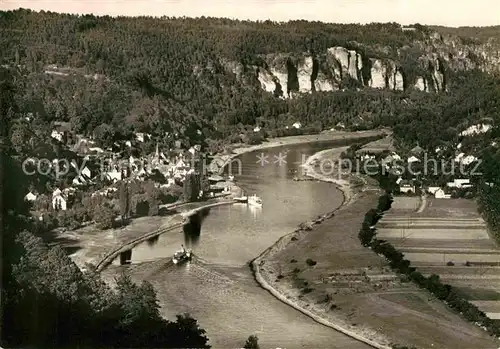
[
  {"x": 406, "y": 187},
  {"x": 433, "y": 190},
  {"x": 459, "y": 183},
  {"x": 413, "y": 159},
  {"x": 441, "y": 194},
  {"x": 297, "y": 125},
  {"x": 256, "y": 129},
  {"x": 215, "y": 179},
  {"x": 61, "y": 131},
  {"x": 30, "y": 197},
  {"x": 417, "y": 150},
  {"x": 59, "y": 200}
]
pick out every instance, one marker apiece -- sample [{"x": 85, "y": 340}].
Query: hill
[{"x": 217, "y": 77}]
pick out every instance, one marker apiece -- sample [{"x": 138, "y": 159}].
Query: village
[
  {"x": 95, "y": 175},
  {"x": 420, "y": 173}
]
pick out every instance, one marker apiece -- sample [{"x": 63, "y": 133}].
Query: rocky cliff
[{"x": 426, "y": 66}]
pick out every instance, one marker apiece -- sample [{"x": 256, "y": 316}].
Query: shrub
[
  {"x": 450, "y": 264},
  {"x": 310, "y": 262}
]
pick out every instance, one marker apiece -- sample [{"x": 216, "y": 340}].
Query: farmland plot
[{"x": 448, "y": 239}]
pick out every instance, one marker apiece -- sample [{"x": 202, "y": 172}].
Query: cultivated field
[
  {"x": 448, "y": 238},
  {"x": 353, "y": 286}
]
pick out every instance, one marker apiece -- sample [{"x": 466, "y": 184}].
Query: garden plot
[
  {"x": 488, "y": 306},
  {"x": 457, "y": 258},
  {"x": 402, "y": 203},
  {"x": 449, "y": 239},
  {"x": 402, "y": 243},
  {"x": 438, "y": 234}
]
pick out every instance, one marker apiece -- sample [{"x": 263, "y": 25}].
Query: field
[
  {"x": 353, "y": 286},
  {"x": 448, "y": 238}
]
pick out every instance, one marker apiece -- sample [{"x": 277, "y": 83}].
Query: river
[{"x": 218, "y": 288}]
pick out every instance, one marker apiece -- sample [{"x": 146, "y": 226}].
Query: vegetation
[
  {"x": 70, "y": 308},
  {"x": 252, "y": 343},
  {"x": 451, "y": 296}
]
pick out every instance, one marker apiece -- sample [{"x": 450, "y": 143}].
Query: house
[
  {"x": 61, "y": 131},
  {"x": 30, "y": 197},
  {"x": 60, "y": 200},
  {"x": 114, "y": 175},
  {"x": 141, "y": 137},
  {"x": 297, "y": 125},
  {"x": 459, "y": 184},
  {"x": 412, "y": 159},
  {"x": 408, "y": 29},
  {"x": 433, "y": 190},
  {"x": 406, "y": 187},
  {"x": 417, "y": 150},
  {"x": 467, "y": 160},
  {"x": 441, "y": 194},
  {"x": 215, "y": 179},
  {"x": 476, "y": 129},
  {"x": 256, "y": 129}
]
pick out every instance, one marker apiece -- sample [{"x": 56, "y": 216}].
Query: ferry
[
  {"x": 254, "y": 200},
  {"x": 182, "y": 255}
]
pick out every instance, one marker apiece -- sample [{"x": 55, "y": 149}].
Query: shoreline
[
  {"x": 349, "y": 197},
  {"x": 329, "y": 136},
  {"x": 111, "y": 256}
]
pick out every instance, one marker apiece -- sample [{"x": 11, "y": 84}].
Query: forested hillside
[
  {"x": 112, "y": 76},
  {"x": 208, "y": 80}
]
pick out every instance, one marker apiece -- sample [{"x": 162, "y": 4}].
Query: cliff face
[{"x": 286, "y": 75}]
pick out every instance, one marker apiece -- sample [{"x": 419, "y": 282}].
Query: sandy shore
[{"x": 328, "y": 136}]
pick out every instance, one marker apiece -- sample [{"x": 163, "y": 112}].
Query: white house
[
  {"x": 297, "y": 125},
  {"x": 141, "y": 137},
  {"x": 59, "y": 200},
  {"x": 256, "y": 129},
  {"x": 114, "y": 175},
  {"x": 413, "y": 159},
  {"x": 476, "y": 129},
  {"x": 30, "y": 197},
  {"x": 459, "y": 183},
  {"x": 433, "y": 190},
  {"x": 406, "y": 187},
  {"x": 467, "y": 160},
  {"x": 57, "y": 135},
  {"x": 440, "y": 194}
]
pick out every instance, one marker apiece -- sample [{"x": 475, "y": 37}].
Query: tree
[
  {"x": 186, "y": 333},
  {"x": 104, "y": 216},
  {"x": 124, "y": 201},
  {"x": 252, "y": 342},
  {"x": 192, "y": 186}
]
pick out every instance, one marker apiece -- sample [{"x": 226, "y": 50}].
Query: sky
[{"x": 431, "y": 12}]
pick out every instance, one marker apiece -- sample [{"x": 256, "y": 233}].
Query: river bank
[
  {"x": 322, "y": 270},
  {"x": 328, "y": 136},
  {"x": 100, "y": 247},
  {"x": 269, "y": 278}
]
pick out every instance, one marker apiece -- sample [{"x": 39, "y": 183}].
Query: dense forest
[{"x": 111, "y": 77}]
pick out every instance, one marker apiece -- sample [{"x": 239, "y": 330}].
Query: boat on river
[
  {"x": 182, "y": 255},
  {"x": 254, "y": 200}
]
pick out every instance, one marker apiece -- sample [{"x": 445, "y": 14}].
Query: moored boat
[
  {"x": 241, "y": 199},
  {"x": 254, "y": 200}
]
